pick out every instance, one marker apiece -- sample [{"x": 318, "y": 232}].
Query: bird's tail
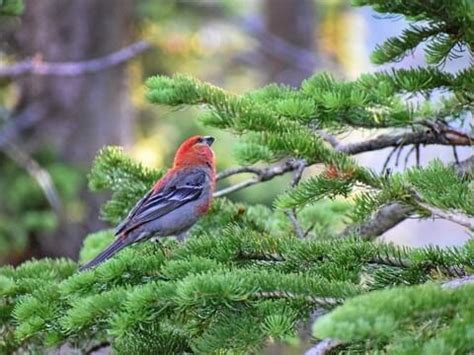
[{"x": 111, "y": 250}]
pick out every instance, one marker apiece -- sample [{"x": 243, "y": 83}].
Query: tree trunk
[
  {"x": 78, "y": 115},
  {"x": 292, "y": 26}
]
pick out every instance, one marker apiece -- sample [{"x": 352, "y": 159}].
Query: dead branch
[{"x": 37, "y": 66}]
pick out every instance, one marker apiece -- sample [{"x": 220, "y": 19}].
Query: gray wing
[{"x": 179, "y": 190}]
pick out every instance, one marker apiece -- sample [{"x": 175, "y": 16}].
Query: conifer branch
[
  {"x": 321, "y": 301},
  {"x": 37, "y": 66},
  {"x": 438, "y": 133},
  {"x": 389, "y": 215}
]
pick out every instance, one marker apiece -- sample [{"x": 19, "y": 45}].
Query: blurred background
[{"x": 53, "y": 122}]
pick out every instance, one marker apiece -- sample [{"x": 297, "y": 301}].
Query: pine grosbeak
[{"x": 173, "y": 204}]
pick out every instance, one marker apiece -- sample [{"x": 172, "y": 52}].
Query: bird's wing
[{"x": 180, "y": 189}]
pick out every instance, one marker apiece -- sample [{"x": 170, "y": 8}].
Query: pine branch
[
  {"x": 389, "y": 215},
  {"x": 321, "y": 301},
  {"x": 438, "y": 133},
  {"x": 37, "y": 66}
]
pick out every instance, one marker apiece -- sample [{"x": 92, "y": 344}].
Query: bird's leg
[{"x": 181, "y": 236}]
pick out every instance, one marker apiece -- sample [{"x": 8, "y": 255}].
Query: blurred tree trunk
[
  {"x": 293, "y": 23},
  {"x": 78, "y": 115}
]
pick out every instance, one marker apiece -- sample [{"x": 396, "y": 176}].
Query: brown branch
[
  {"x": 292, "y": 212},
  {"x": 261, "y": 175},
  {"x": 465, "y": 168},
  {"x": 387, "y": 217},
  {"x": 455, "y": 217},
  {"x": 321, "y": 301},
  {"x": 22, "y": 121},
  {"x": 437, "y": 133},
  {"x": 296, "y": 224},
  {"x": 455, "y": 283},
  {"x": 97, "y": 348},
  {"x": 38, "y": 67},
  {"x": 42, "y": 177},
  {"x": 239, "y": 170},
  {"x": 325, "y": 346}
]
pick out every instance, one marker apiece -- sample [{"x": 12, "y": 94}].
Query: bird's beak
[{"x": 208, "y": 140}]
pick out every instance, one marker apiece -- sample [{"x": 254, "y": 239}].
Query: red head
[{"x": 195, "y": 151}]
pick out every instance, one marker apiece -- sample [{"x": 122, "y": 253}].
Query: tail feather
[{"x": 111, "y": 250}]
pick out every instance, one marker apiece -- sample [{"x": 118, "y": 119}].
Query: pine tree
[{"x": 248, "y": 275}]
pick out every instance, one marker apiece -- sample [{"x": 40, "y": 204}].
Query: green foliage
[
  {"x": 400, "y": 320},
  {"x": 11, "y": 7},
  {"x": 444, "y": 25},
  {"x": 28, "y": 212},
  {"x": 127, "y": 179},
  {"x": 207, "y": 292}
]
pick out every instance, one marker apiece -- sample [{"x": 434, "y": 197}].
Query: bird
[{"x": 174, "y": 203}]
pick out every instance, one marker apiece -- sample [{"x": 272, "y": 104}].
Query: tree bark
[
  {"x": 293, "y": 22},
  {"x": 77, "y": 115}
]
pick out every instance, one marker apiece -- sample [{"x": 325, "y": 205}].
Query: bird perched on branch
[{"x": 173, "y": 204}]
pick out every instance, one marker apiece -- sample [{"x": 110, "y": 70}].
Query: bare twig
[
  {"x": 23, "y": 120},
  {"x": 238, "y": 170},
  {"x": 97, "y": 348},
  {"x": 261, "y": 175},
  {"x": 302, "y": 164},
  {"x": 389, "y": 157},
  {"x": 417, "y": 155},
  {"x": 237, "y": 187},
  {"x": 329, "y": 138},
  {"x": 41, "y": 176},
  {"x": 455, "y": 154},
  {"x": 455, "y": 217},
  {"x": 438, "y": 133},
  {"x": 296, "y": 224},
  {"x": 292, "y": 212},
  {"x": 455, "y": 283},
  {"x": 325, "y": 346},
  {"x": 465, "y": 167},
  {"x": 38, "y": 67},
  {"x": 407, "y": 156},
  {"x": 397, "y": 159}
]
